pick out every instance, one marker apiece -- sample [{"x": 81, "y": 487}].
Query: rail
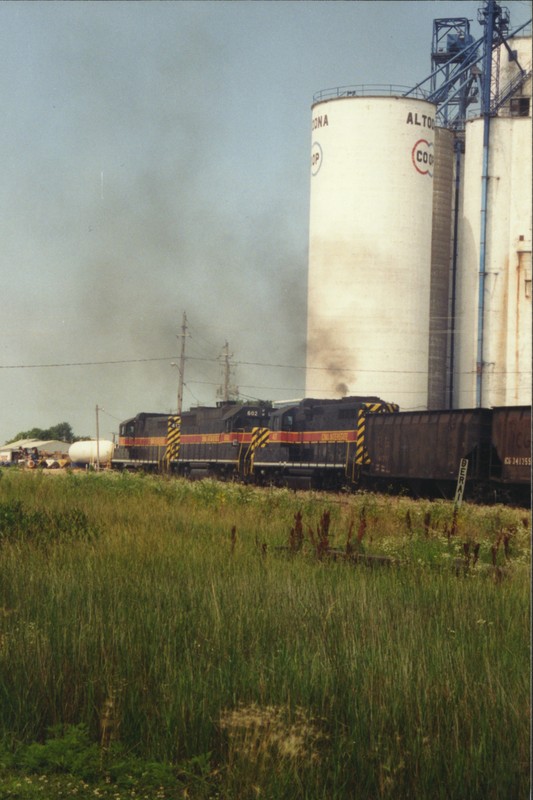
[
  {"x": 512, "y": 87},
  {"x": 368, "y": 90}
]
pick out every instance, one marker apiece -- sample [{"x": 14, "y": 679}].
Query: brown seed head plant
[{"x": 263, "y": 733}]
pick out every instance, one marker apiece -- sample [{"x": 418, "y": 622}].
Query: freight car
[
  {"x": 510, "y": 464},
  {"x": 355, "y": 442},
  {"x": 420, "y": 452}
]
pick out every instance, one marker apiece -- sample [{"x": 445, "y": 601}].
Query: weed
[
  {"x": 67, "y": 749},
  {"x": 265, "y": 733},
  {"x": 296, "y": 537},
  {"x": 320, "y": 538},
  {"x": 171, "y": 650},
  {"x": 43, "y": 526}
]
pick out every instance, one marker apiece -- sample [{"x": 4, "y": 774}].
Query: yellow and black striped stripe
[
  {"x": 259, "y": 439},
  {"x": 173, "y": 438},
  {"x": 361, "y": 453}
]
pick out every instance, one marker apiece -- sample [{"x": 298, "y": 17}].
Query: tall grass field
[{"x": 165, "y": 639}]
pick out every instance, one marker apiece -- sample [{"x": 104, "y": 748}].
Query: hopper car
[{"x": 353, "y": 442}]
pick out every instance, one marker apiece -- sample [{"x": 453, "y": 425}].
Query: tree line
[{"x": 61, "y": 432}]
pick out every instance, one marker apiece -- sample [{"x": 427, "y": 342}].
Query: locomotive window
[
  {"x": 275, "y": 422},
  {"x": 288, "y": 422},
  {"x": 129, "y": 429}
]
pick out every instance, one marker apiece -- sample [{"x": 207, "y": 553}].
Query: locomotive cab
[
  {"x": 283, "y": 419},
  {"x": 142, "y": 441},
  {"x": 246, "y": 417}
]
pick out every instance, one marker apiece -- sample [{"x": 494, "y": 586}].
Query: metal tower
[
  {"x": 453, "y": 59},
  {"x": 466, "y": 71}
]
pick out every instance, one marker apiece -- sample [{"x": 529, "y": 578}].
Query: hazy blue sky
[{"x": 155, "y": 160}]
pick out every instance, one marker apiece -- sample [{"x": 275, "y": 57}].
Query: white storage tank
[
  {"x": 90, "y": 452},
  {"x": 507, "y": 322},
  {"x": 372, "y": 165}
]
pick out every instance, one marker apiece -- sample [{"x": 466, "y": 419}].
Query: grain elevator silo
[
  {"x": 372, "y": 165},
  {"x": 494, "y": 318},
  {"x": 419, "y": 284}
]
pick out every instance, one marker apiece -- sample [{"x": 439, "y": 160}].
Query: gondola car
[
  {"x": 420, "y": 451},
  {"x": 510, "y": 468}
]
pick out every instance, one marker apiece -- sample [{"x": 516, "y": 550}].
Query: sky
[{"x": 156, "y": 161}]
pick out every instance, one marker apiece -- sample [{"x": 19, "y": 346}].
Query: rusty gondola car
[
  {"x": 420, "y": 451},
  {"x": 510, "y": 468}
]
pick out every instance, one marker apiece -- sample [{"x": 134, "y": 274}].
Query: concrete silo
[
  {"x": 370, "y": 237},
  {"x": 502, "y": 311}
]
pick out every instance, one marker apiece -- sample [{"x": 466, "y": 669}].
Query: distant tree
[
  {"x": 61, "y": 432},
  {"x": 35, "y": 433}
]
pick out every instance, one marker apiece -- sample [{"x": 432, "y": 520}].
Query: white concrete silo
[
  {"x": 370, "y": 248},
  {"x": 506, "y": 300}
]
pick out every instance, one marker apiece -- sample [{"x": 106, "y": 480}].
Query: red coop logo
[{"x": 423, "y": 157}]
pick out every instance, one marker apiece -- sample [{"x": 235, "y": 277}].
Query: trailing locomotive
[{"x": 355, "y": 442}]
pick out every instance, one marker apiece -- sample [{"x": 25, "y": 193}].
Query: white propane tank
[{"x": 88, "y": 452}]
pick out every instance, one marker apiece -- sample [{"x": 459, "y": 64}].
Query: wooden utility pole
[
  {"x": 181, "y": 365},
  {"x": 226, "y": 373},
  {"x": 98, "y": 439},
  {"x": 226, "y": 390}
]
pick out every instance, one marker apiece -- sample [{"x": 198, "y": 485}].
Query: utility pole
[
  {"x": 97, "y": 439},
  {"x": 225, "y": 387},
  {"x": 226, "y": 390},
  {"x": 181, "y": 365}
]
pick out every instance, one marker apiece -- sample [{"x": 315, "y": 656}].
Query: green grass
[{"x": 160, "y": 639}]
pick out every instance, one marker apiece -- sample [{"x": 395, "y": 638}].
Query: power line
[
  {"x": 84, "y": 363},
  {"x": 334, "y": 368}
]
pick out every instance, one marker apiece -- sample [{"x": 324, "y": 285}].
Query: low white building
[{"x": 50, "y": 447}]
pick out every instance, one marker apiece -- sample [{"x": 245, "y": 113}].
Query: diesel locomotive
[{"x": 351, "y": 443}]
